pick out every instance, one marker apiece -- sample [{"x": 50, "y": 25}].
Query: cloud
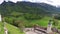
[
  {"x": 15, "y": 0},
  {"x": 52, "y": 2},
  {"x": 1, "y": 1}
]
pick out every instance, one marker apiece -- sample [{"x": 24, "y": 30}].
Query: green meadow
[
  {"x": 41, "y": 22},
  {"x": 1, "y": 28}
]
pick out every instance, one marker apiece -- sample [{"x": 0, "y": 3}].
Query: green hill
[{"x": 12, "y": 29}]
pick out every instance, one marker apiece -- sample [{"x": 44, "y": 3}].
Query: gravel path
[{"x": 5, "y": 29}]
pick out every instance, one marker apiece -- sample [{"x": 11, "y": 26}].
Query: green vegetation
[
  {"x": 26, "y": 14},
  {"x": 12, "y": 29},
  {"x": 21, "y": 14},
  {"x": 42, "y": 22},
  {"x": 1, "y": 28}
]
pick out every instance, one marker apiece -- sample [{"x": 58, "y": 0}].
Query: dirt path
[{"x": 5, "y": 29}]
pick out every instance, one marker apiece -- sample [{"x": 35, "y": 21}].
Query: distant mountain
[
  {"x": 45, "y": 6},
  {"x": 27, "y": 7},
  {"x": 39, "y": 5}
]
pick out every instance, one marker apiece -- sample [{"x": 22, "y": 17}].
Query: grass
[
  {"x": 1, "y": 28},
  {"x": 42, "y": 22},
  {"x": 13, "y": 30}
]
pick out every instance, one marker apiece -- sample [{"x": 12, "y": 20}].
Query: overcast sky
[{"x": 52, "y": 2}]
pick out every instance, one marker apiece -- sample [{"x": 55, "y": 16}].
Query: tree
[{"x": 55, "y": 22}]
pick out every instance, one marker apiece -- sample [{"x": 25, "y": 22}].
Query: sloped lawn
[
  {"x": 1, "y": 28},
  {"x": 13, "y": 30}
]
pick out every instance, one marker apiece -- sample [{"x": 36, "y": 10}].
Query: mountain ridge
[{"x": 28, "y": 7}]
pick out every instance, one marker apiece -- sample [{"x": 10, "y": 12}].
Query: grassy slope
[
  {"x": 1, "y": 28},
  {"x": 42, "y": 22},
  {"x": 12, "y": 29}
]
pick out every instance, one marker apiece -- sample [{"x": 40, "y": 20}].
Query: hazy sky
[{"x": 52, "y": 2}]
